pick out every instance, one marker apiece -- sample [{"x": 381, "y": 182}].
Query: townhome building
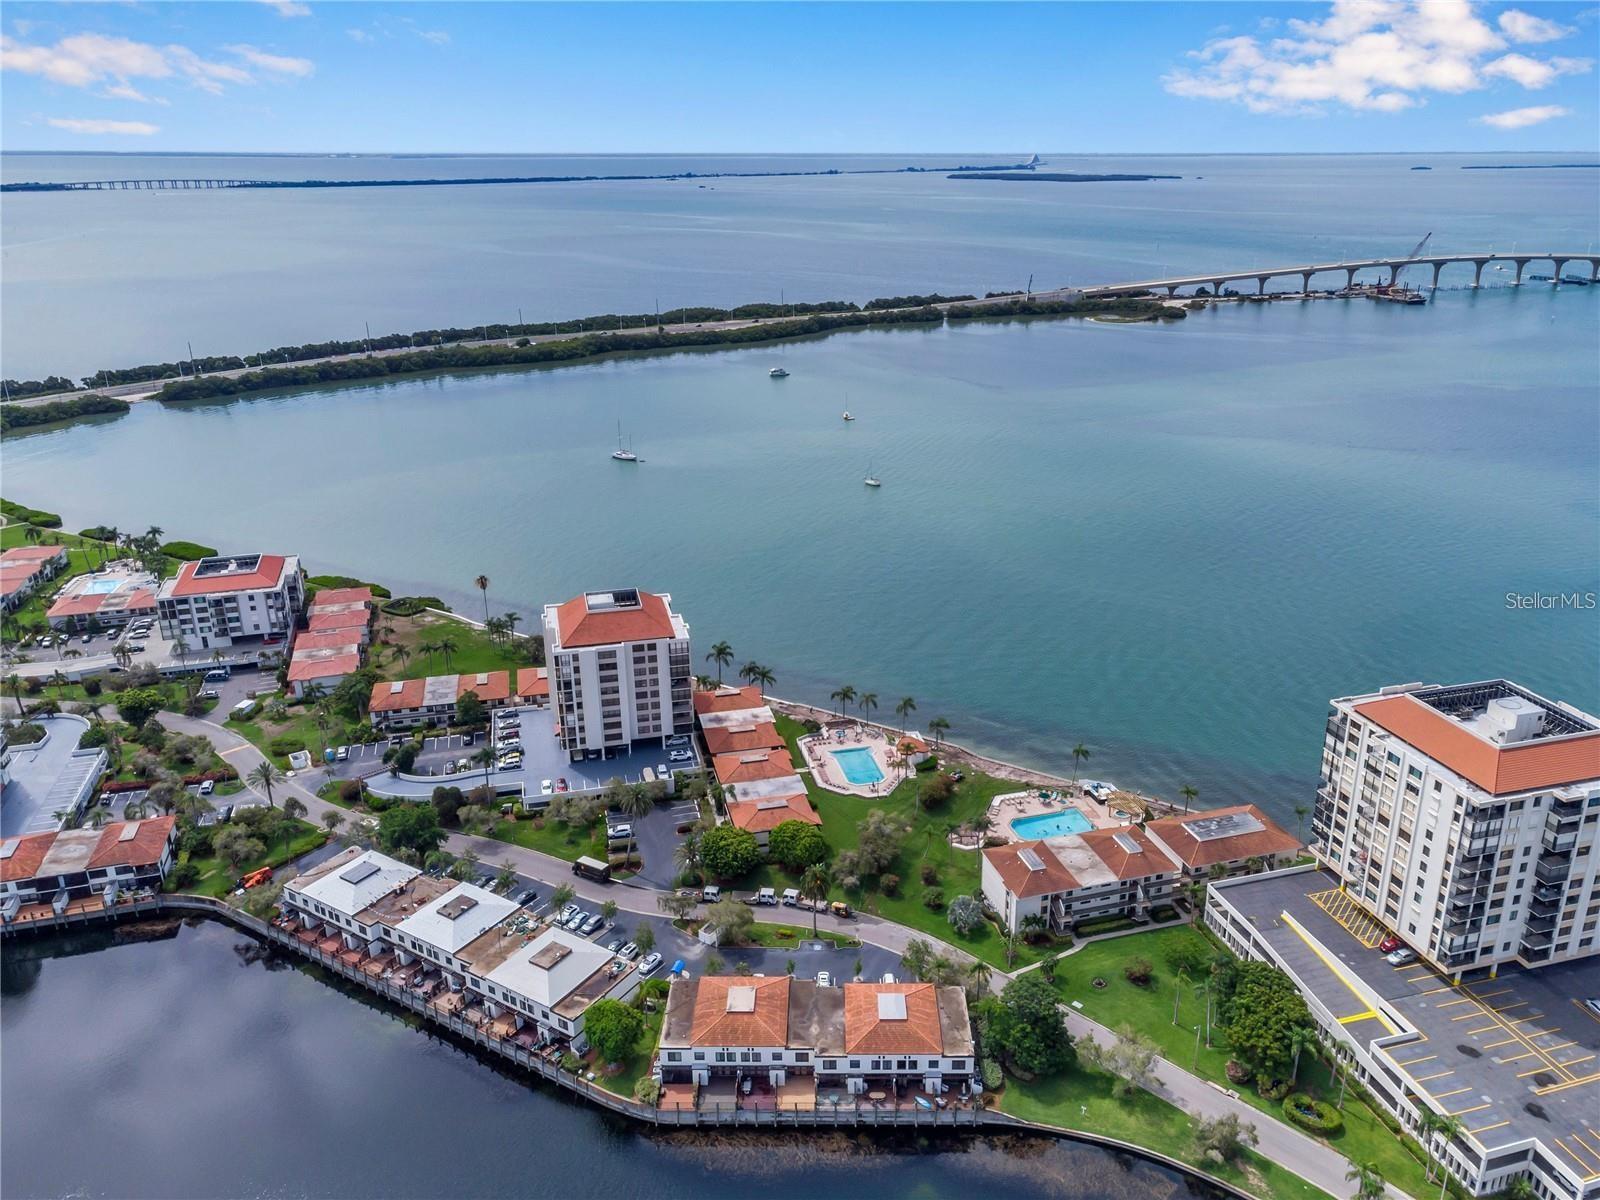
[
  {"x": 1224, "y": 841},
  {"x": 23, "y": 569},
  {"x": 70, "y": 864},
  {"x": 548, "y": 980},
  {"x": 620, "y": 670},
  {"x": 1078, "y": 877}
]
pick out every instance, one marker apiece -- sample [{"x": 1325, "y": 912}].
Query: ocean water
[{"x": 1172, "y": 544}]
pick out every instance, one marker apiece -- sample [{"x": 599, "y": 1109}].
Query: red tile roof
[
  {"x": 328, "y": 639},
  {"x": 866, "y": 1031},
  {"x": 1124, "y": 864},
  {"x": 580, "y": 627},
  {"x": 737, "y": 738},
  {"x": 1020, "y": 879},
  {"x": 386, "y": 699},
  {"x": 752, "y": 765},
  {"x": 766, "y": 814},
  {"x": 323, "y": 664},
  {"x": 25, "y": 859},
  {"x": 144, "y": 847},
  {"x": 86, "y": 603},
  {"x": 533, "y": 682},
  {"x": 269, "y": 570},
  {"x": 1544, "y": 763},
  {"x": 13, "y": 575},
  {"x": 338, "y": 618},
  {"x": 349, "y": 595},
  {"x": 765, "y": 1024},
  {"x": 40, "y": 554},
  {"x": 1174, "y": 834},
  {"x": 728, "y": 699},
  {"x": 489, "y": 685}
]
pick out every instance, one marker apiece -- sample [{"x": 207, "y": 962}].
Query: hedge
[
  {"x": 347, "y": 581},
  {"x": 1104, "y": 925},
  {"x": 188, "y": 550},
  {"x": 32, "y": 516},
  {"x": 1317, "y": 1116},
  {"x": 410, "y": 606}
]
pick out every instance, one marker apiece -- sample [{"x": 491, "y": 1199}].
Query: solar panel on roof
[
  {"x": 129, "y": 832},
  {"x": 397, "y": 687},
  {"x": 1208, "y": 829},
  {"x": 891, "y": 1006},
  {"x": 1128, "y": 843},
  {"x": 362, "y": 870},
  {"x": 10, "y": 848},
  {"x": 1031, "y": 860}
]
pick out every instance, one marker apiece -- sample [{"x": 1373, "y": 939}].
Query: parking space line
[
  {"x": 1461, "y": 1112},
  {"x": 1585, "y": 1010},
  {"x": 1411, "y": 1062},
  {"x": 1447, "y": 1095},
  {"x": 1534, "y": 1071},
  {"x": 1340, "y": 972},
  {"x": 1504, "y": 1042},
  {"x": 1453, "y": 1003},
  {"x": 1436, "y": 1075},
  {"x": 1572, "y": 1062},
  {"x": 1354, "y": 1017},
  {"x": 1484, "y": 1029},
  {"x": 1486, "y": 1128},
  {"x": 1560, "y": 1046},
  {"x": 1435, "y": 991},
  {"x": 1589, "y": 1160},
  {"x": 1500, "y": 1008},
  {"x": 1488, "y": 995}
]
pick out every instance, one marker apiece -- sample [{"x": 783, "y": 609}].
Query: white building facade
[{"x": 216, "y": 602}]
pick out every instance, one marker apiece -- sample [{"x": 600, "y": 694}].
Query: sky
[{"x": 308, "y": 76}]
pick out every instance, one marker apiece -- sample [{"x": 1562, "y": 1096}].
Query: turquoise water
[
  {"x": 859, "y": 764},
  {"x": 1055, "y": 824},
  {"x": 100, "y": 587}
]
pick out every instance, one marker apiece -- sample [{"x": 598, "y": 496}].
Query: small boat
[
  {"x": 872, "y": 480},
  {"x": 777, "y": 373},
  {"x": 847, "y": 415},
  {"x": 619, "y": 453},
  {"x": 924, "y": 1103}
]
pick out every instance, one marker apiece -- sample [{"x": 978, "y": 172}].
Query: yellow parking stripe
[
  {"x": 1461, "y": 1112},
  {"x": 1411, "y": 1062},
  {"x": 1535, "y": 1071},
  {"x": 1451, "y": 1003},
  {"x": 1360, "y": 1016},
  {"x": 1572, "y": 1062},
  {"x": 1509, "y": 1007},
  {"x": 1447, "y": 1095},
  {"x": 1486, "y": 1128},
  {"x": 1504, "y": 1042},
  {"x": 1559, "y": 1046},
  {"x": 1438, "y": 1075},
  {"x": 1514, "y": 1057},
  {"x": 1338, "y": 969},
  {"x": 1488, "y": 995},
  {"x": 1482, "y": 1029}
]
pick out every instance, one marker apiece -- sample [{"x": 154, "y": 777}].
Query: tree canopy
[
  {"x": 797, "y": 845},
  {"x": 727, "y": 852},
  {"x": 1024, "y": 1027},
  {"x": 612, "y": 1028},
  {"x": 412, "y": 827},
  {"x": 1262, "y": 1010}
]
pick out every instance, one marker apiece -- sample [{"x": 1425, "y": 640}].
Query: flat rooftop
[{"x": 1513, "y": 1058}]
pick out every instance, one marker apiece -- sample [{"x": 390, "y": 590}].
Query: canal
[{"x": 195, "y": 1064}]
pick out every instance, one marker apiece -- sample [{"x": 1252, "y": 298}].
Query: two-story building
[
  {"x": 548, "y": 981},
  {"x": 70, "y": 864},
  {"x": 1078, "y": 877},
  {"x": 24, "y": 568},
  {"x": 1224, "y": 841}
]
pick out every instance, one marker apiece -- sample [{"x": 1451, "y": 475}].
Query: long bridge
[{"x": 1260, "y": 276}]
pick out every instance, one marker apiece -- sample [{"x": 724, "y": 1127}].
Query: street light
[{"x": 1194, "y": 1066}]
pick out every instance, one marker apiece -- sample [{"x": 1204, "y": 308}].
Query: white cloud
[
  {"x": 207, "y": 75},
  {"x": 85, "y": 59},
  {"x": 1535, "y": 73},
  {"x": 1525, "y": 27},
  {"x": 359, "y": 35},
  {"x": 89, "y": 125},
  {"x": 1364, "y": 56},
  {"x": 437, "y": 36},
  {"x": 1521, "y": 118},
  {"x": 126, "y": 91},
  {"x": 278, "y": 64},
  {"x": 288, "y": 8}
]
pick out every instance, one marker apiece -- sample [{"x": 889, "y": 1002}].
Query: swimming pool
[
  {"x": 859, "y": 764},
  {"x": 1051, "y": 824},
  {"x": 101, "y": 587}
]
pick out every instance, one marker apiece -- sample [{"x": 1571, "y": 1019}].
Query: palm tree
[
  {"x": 815, "y": 885},
  {"x": 153, "y": 535},
  {"x": 1080, "y": 754},
  {"x": 686, "y": 857},
  {"x": 636, "y": 803},
  {"x": 722, "y": 655},
  {"x": 1031, "y": 924},
  {"x": 1301, "y": 812},
  {"x": 1444, "y": 1126},
  {"x": 763, "y": 678},
  {"x": 482, "y": 584},
  {"x": 428, "y": 648},
  {"x": 1518, "y": 1187},
  {"x": 748, "y": 671},
  {"x": 1369, "y": 1182},
  {"x": 447, "y": 647},
  {"x": 1301, "y": 1037},
  {"x": 867, "y": 701},
  {"x": 400, "y": 654},
  {"x": 844, "y": 695},
  {"x": 32, "y": 533},
  {"x": 938, "y": 727},
  {"x": 182, "y": 647},
  {"x": 512, "y": 620},
  {"x": 14, "y": 682},
  {"x": 123, "y": 653},
  {"x": 904, "y": 709},
  {"x": 1189, "y": 793},
  {"x": 265, "y": 776},
  {"x": 484, "y": 758},
  {"x": 59, "y": 682}
]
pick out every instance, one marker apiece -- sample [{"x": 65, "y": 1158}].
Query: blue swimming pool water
[
  {"x": 1054, "y": 824},
  {"x": 859, "y": 765},
  {"x": 99, "y": 587}
]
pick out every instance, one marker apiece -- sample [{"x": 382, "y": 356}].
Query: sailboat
[
  {"x": 619, "y": 453},
  {"x": 847, "y": 415},
  {"x": 872, "y": 480}
]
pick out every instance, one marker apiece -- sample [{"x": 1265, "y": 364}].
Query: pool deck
[
  {"x": 816, "y": 750},
  {"x": 1009, "y": 807}
]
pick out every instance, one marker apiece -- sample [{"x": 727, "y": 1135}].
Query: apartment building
[
  {"x": 857, "y": 1036},
  {"x": 1078, "y": 877},
  {"x": 73, "y": 863},
  {"x": 24, "y": 568},
  {"x": 407, "y": 703},
  {"x": 620, "y": 671},
  {"x": 216, "y": 602},
  {"x": 1464, "y": 819},
  {"x": 1224, "y": 841}
]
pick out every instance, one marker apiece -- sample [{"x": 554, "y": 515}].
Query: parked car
[
  {"x": 1389, "y": 945},
  {"x": 577, "y": 919},
  {"x": 561, "y": 784},
  {"x": 614, "y": 945},
  {"x": 791, "y": 898},
  {"x": 344, "y": 754},
  {"x": 546, "y": 787},
  {"x": 591, "y": 924},
  {"x": 767, "y": 896},
  {"x": 617, "y": 833},
  {"x": 676, "y": 740},
  {"x": 396, "y": 741},
  {"x": 681, "y": 756},
  {"x": 207, "y": 786},
  {"x": 88, "y": 638},
  {"x": 1400, "y": 957},
  {"x": 629, "y": 952},
  {"x": 649, "y": 965},
  {"x": 824, "y": 979},
  {"x": 567, "y": 912},
  {"x": 526, "y": 898},
  {"x": 711, "y": 893},
  {"x": 1593, "y": 1006}
]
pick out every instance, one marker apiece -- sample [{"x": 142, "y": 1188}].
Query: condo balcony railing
[
  {"x": 1540, "y": 923},
  {"x": 1536, "y": 938},
  {"x": 1551, "y": 872}
]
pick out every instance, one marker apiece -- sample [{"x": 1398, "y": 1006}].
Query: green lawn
[
  {"x": 926, "y": 845},
  {"x": 1082, "y": 1099},
  {"x": 787, "y": 937},
  {"x": 637, "y": 1063},
  {"x": 260, "y": 731},
  {"x": 217, "y": 876},
  {"x": 474, "y": 650},
  {"x": 554, "y": 838},
  {"x": 1150, "y": 1011},
  {"x": 80, "y": 559}
]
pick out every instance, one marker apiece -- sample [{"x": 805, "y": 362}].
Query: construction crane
[{"x": 1415, "y": 250}]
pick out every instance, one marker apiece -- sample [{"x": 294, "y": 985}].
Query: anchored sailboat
[{"x": 619, "y": 453}]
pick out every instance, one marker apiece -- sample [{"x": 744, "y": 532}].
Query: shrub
[
  {"x": 889, "y": 885},
  {"x": 1272, "y": 1089},
  {"x": 350, "y": 790},
  {"x": 1314, "y": 1115},
  {"x": 1138, "y": 972},
  {"x": 989, "y": 1072},
  {"x": 188, "y": 550},
  {"x": 930, "y": 874},
  {"x": 286, "y": 743},
  {"x": 91, "y": 686},
  {"x": 570, "y": 1062},
  {"x": 933, "y": 898},
  {"x": 647, "y": 1091},
  {"x": 1236, "y": 1071},
  {"x": 927, "y": 764},
  {"x": 184, "y": 875},
  {"x": 965, "y": 914}
]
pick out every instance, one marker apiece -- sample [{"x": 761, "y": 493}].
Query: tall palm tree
[
  {"x": 1368, "y": 1180},
  {"x": 636, "y": 804},
  {"x": 1080, "y": 754},
  {"x": 265, "y": 776},
  {"x": 815, "y": 885},
  {"x": 938, "y": 727},
  {"x": 866, "y": 702},
  {"x": 153, "y": 535},
  {"x": 447, "y": 647},
  {"x": 1301, "y": 1037},
  {"x": 1189, "y": 793},
  {"x": 1301, "y": 812},
  {"x": 59, "y": 682},
  {"x": 844, "y": 695},
  {"x": 482, "y": 584},
  {"x": 748, "y": 671},
  {"x": 32, "y": 533},
  {"x": 686, "y": 857},
  {"x": 401, "y": 654},
  {"x": 484, "y": 758},
  {"x": 429, "y": 649},
  {"x": 763, "y": 678},
  {"x": 722, "y": 655},
  {"x": 123, "y": 653},
  {"x": 14, "y": 682},
  {"x": 182, "y": 647},
  {"x": 904, "y": 709},
  {"x": 1444, "y": 1126}
]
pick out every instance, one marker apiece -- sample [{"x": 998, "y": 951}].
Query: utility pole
[
  {"x": 192, "y": 371},
  {"x": 519, "y": 318},
  {"x": 1030, "y": 283},
  {"x": 368, "y": 325}
]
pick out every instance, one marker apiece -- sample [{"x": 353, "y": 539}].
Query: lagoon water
[
  {"x": 192, "y": 1067},
  {"x": 1172, "y": 543}
]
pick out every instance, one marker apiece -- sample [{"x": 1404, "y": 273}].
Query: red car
[{"x": 1389, "y": 945}]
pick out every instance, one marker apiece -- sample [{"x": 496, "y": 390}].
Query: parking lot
[{"x": 1513, "y": 1057}]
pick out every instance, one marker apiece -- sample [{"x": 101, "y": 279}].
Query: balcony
[
  {"x": 1548, "y": 892},
  {"x": 1538, "y": 939},
  {"x": 1542, "y": 923}
]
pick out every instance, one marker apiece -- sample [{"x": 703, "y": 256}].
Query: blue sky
[{"x": 1357, "y": 75}]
